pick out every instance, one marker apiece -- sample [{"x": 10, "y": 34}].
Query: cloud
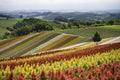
[{"x": 80, "y": 5}]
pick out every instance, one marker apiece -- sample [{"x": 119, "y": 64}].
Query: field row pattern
[
  {"x": 82, "y": 63},
  {"x": 76, "y": 54}
]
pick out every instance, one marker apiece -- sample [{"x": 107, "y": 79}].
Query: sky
[{"x": 59, "y": 5}]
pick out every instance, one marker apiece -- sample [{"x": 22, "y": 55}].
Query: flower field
[
  {"x": 33, "y": 43},
  {"x": 101, "y": 62}
]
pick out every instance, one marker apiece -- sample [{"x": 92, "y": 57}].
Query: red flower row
[{"x": 77, "y": 54}]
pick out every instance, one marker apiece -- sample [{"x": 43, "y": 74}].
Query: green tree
[
  {"x": 23, "y": 31},
  {"x": 96, "y": 38},
  {"x": 69, "y": 25},
  {"x": 6, "y": 34},
  {"x": 64, "y": 26},
  {"x": 110, "y": 22}
]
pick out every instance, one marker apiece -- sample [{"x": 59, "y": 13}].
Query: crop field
[
  {"x": 33, "y": 43},
  {"x": 112, "y": 27},
  {"x": 59, "y": 40},
  {"x": 88, "y": 32},
  {"x": 91, "y": 63},
  {"x": 45, "y": 56}
]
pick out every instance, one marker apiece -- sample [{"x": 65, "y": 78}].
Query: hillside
[
  {"x": 112, "y": 27},
  {"x": 5, "y": 23},
  {"x": 36, "y": 42},
  {"x": 89, "y": 31},
  {"x": 32, "y": 43}
]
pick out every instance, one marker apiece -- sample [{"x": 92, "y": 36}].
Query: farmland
[
  {"x": 63, "y": 53},
  {"x": 33, "y": 43},
  {"x": 48, "y": 40},
  {"x": 88, "y": 32},
  {"x": 112, "y": 27},
  {"x": 63, "y": 66}
]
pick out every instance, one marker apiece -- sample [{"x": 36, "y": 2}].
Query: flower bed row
[
  {"x": 76, "y": 54},
  {"x": 83, "y": 63},
  {"x": 46, "y": 42},
  {"x": 57, "y": 43},
  {"x": 74, "y": 41},
  {"x": 33, "y": 43},
  {"x": 17, "y": 43}
]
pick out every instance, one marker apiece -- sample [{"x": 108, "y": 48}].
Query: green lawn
[{"x": 112, "y": 27}]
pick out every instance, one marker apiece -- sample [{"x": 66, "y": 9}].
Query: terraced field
[{"x": 33, "y": 43}]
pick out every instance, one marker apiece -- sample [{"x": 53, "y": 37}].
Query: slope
[{"x": 32, "y": 43}]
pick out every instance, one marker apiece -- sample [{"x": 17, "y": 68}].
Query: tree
[
  {"x": 69, "y": 25},
  {"x": 6, "y": 34},
  {"x": 96, "y": 38},
  {"x": 23, "y": 31},
  {"x": 21, "y": 16},
  {"x": 60, "y": 19},
  {"x": 111, "y": 22},
  {"x": 64, "y": 26}
]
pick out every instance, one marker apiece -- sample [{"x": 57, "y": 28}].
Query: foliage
[
  {"x": 60, "y": 19},
  {"x": 96, "y": 37},
  {"x": 27, "y": 26},
  {"x": 22, "y": 31},
  {"x": 110, "y": 22}
]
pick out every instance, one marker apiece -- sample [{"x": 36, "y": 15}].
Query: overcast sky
[{"x": 58, "y": 5}]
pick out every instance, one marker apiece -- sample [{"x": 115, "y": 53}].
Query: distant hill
[
  {"x": 92, "y": 16},
  {"x": 6, "y": 16}
]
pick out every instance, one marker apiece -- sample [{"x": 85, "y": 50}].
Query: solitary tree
[{"x": 96, "y": 38}]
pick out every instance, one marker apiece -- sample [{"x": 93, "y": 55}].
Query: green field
[
  {"x": 89, "y": 32},
  {"x": 112, "y": 27},
  {"x": 4, "y": 23},
  {"x": 2, "y": 31},
  {"x": 8, "y": 23}
]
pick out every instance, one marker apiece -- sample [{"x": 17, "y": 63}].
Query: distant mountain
[
  {"x": 92, "y": 16},
  {"x": 6, "y": 16}
]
